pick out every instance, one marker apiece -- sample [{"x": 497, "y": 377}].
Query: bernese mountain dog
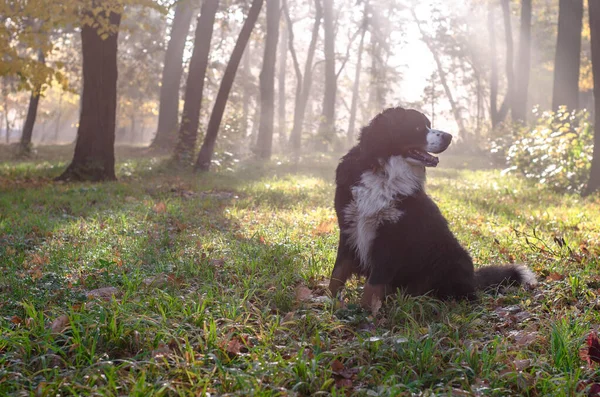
[{"x": 391, "y": 231}]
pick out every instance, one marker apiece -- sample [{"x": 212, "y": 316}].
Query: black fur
[{"x": 417, "y": 253}]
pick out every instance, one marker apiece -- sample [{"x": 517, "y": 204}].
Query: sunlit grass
[{"x": 206, "y": 270}]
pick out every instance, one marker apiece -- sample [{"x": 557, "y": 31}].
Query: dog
[{"x": 391, "y": 231}]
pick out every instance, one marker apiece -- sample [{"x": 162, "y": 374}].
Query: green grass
[{"x": 208, "y": 274}]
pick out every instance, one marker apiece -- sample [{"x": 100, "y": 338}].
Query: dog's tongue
[{"x": 427, "y": 159}]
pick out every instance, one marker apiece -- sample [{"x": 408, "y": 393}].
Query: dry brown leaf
[
  {"x": 159, "y": 208},
  {"x": 554, "y": 276},
  {"x": 376, "y": 304},
  {"x": 105, "y": 293},
  {"x": 337, "y": 366},
  {"x": 343, "y": 382},
  {"x": 524, "y": 338},
  {"x": 303, "y": 293},
  {"x": 521, "y": 365},
  {"x": 59, "y": 324},
  {"x": 233, "y": 347}
]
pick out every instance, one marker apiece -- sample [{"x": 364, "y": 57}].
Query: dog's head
[{"x": 403, "y": 132}]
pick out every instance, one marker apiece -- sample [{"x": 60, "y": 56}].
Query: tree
[
  {"x": 188, "y": 131},
  {"x": 356, "y": 85},
  {"x": 568, "y": 55},
  {"x": 303, "y": 83},
  {"x": 498, "y": 115},
  {"x": 31, "y": 113},
  {"x": 442, "y": 75},
  {"x": 214, "y": 123},
  {"x": 519, "y": 105},
  {"x": 94, "y": 157},
  {"x": 168, "y": 111},
  {"x": 327, "y": 124},
  {"x": 594, "y": 15},
  {"x": 283, "y": 50},
  {"x": 267, "y": 82}
]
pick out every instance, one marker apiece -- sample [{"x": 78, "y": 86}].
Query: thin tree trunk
[
  {"x": 283, "y": 50},
  {"x": 510, "y": 75},
  {"x": 168, "y": 112},
  {"x": 58, "y": 117},
  {"x": 568, "y": 52},
  {"x": 190, "y": 119},
  {"x": 519, "y": 110},
  {"x": 34, "y": 100},
  {"x": 594, "y": 15},
  {"x": 208, "y": 146},
  {"x": 264, "y": 144},
  {"x": 94, "y": 156},
  {"x": 327, "y": 124},
  {"x": 354, "y": 104},
  {"x": 442, "y": 74},
  {"x": 247, "y": 72},
  {"x": 303, "y": 83}
]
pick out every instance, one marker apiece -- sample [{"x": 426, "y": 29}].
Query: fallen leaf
[
  {"x": 343, "y": 382},
  {"x": 105, "y": 293},
  {"x": 554, "y": 276},
  {"x": 591, "y": 353},
  {"x": 375, "y": 305},
  {"x": 234, "y": 347},
  {"x": 524, "y": 338},
  {"x": 303, "y": 293},
  {"x": 521, "y": 365},
  {"x": 59, "y": 324},
  {"x": 16, "y": 320},
  {"x": 159, "y": 208},
  {"x": 337, "y": 366}
]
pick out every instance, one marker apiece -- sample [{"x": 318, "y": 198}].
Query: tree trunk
[
  {"x": 594, "y": 14},
  {"x": 246, "y": 90},
  {"x": 267, "y": 82},
  {"x": 281, "y": 119},
  {"x": 303, "y": 83},
  {"x": 568, "y": 52},
  {"x": 190, "y": 119},
  {"x": 327, "y": 124},
  {"x": 94, "y": 157},
  {"x": 519, "y": 106},
  {"x": 354, "y": 104},
  {"x": 34, "y": 100},
  {"x": 510, "y": 76},
  {"x": 208, "y": 146},
  {"x": 168, "y": 111}
]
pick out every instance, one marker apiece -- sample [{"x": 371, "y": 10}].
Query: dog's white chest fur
[{"x": 373, "y": 202}]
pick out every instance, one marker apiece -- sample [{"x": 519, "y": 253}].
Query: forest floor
[{"x": 173, "y": 283}]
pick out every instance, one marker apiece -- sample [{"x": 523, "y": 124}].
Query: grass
[{"x": 172, "y": 283}]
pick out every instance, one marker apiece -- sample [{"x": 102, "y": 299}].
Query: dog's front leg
[
  {"x": 373, "y": 295},
  {"x": 345, "y": 266}
]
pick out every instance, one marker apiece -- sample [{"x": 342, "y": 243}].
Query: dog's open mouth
[{"x": 423, "y": 157}]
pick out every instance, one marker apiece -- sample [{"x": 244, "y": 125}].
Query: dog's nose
[{"x": 444, "y": 136}]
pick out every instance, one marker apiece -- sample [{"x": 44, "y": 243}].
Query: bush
[{"x": 556, "y": 151}]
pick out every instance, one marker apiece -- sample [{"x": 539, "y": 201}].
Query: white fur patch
[{"x": 373, "y": 202}]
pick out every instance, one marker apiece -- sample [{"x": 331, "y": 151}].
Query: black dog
[{"x": 390, "y": 229}]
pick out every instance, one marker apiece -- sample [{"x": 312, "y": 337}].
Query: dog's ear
[{"x": 376, "y": 137}]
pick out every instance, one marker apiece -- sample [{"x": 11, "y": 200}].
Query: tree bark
[
  {"x": 568, "y": 52},
  {"x": 281, "y": 119},
  {"x": 594, "y": 15},
  {"x": 327, "y": 124},
  {"x": 303, "y": 83},
  {"x": 208, "y": 146},
  {"x": 519, "y": 108},
  {"x": 354, "y": 104},
  {"x": 168, "y": 111},
  {"x": 34, "y": 100},
  {"x": 264, "y": 143},
  {"x": 190, "y": 119},
  {"x": 94, "y": 156}
]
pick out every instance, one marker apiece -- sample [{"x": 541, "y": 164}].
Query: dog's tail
[{"x": 489, "y": 276}]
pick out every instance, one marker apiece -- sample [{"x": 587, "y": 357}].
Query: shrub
[{"x": 556, "y": 151}]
